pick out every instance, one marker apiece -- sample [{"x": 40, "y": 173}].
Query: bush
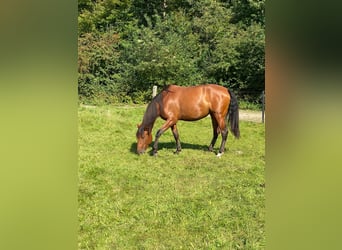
[{"x": 127, "y": 51}]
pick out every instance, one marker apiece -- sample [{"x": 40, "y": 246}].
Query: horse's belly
[
  {"x": 189, "y": 118},
  {"x": 194, "y": 115}
]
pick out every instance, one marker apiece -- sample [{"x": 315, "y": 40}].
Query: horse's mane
[{"x": 151, "y": 113}]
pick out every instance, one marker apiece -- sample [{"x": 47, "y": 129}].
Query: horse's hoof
[{"x": 219, "y": 155}]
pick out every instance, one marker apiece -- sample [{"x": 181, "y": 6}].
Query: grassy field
[{"x": 193, "y": 200}]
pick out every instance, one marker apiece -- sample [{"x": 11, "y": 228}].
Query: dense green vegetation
[
  {"x": 193, "y": 200},
  {"x": 127, "y": 46}
]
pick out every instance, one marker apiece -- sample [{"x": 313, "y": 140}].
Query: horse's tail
[{"x": 233, "y": 115}]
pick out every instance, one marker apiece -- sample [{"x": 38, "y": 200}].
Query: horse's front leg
[
  {"x": 176, "y": 136},
  {"x": 165, "y": 126},
  {"x": 155, "y": 144}
]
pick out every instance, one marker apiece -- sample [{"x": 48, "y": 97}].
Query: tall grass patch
[{"x": 192, "y": 200}]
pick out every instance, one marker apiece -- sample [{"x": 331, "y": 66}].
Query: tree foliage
[{"x": 127, "y": 46}]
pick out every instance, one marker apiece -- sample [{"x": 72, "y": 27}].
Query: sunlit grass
[{"x": 193, "y": 200}]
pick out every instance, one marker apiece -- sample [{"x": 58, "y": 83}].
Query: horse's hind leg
[
  {"x": 224, "y": 133},
  {"x": 219, "y": 126},
  {"x": 215, "y": 132},
  {"x": 176, "y": 136}
]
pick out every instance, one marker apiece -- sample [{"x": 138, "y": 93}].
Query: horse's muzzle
[{"x": 140, "y": 152}]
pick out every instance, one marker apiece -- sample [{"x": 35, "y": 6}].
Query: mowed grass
[{"x": 193, "y": 200}]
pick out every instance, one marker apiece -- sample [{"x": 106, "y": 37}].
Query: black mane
[{"x": 151, "y": 114}]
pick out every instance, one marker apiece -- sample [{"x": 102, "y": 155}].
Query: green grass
[
  {"x": 250, "y": 105},
  {"x": 193, "y": 200}
]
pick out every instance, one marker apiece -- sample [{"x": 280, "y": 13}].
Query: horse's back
[
  {"x": 193, "y": 91},
  {"x": 195, "y": 102}
]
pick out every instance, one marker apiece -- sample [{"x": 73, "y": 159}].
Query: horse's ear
[{"x": 138, "y": 125}]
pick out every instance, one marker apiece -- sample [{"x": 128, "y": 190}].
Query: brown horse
[{"x": 190, "y": 104}]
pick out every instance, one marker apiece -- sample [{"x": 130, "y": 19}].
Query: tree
[
  {"x": 126, "y": 46},
  {"x": 248, "y": 11}
]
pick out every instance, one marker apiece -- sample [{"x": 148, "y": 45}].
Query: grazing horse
[{"x": 175, "y": 103}]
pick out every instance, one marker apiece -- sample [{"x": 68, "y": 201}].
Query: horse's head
[{"x": 144, "y": 139}]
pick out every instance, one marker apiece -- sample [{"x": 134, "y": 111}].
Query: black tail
[{"x": 233, "y": 115}]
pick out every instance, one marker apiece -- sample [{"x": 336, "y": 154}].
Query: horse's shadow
[{"x": 171, "y": 145}]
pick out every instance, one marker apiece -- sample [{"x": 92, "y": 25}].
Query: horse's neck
[{"x": 150, "y": 116}]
